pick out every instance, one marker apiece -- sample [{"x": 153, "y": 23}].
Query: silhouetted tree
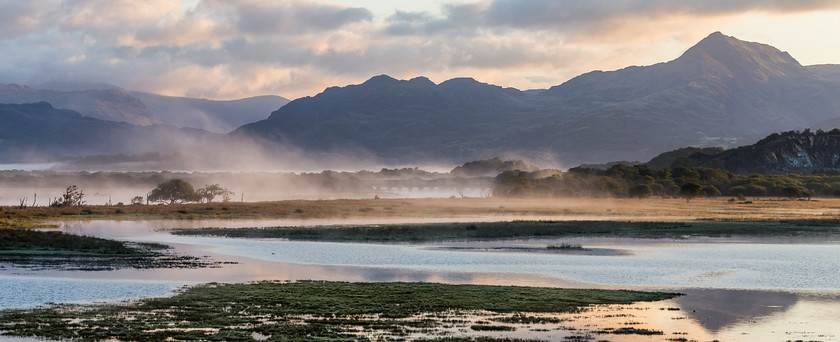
[
  {"x": 174, "y": 191},
  {"x": 210, "y": 192},
  {"x": 72, "y": 196}
]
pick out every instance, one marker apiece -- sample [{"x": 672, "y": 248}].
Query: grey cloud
[
  {"x": 18, "y": 18},
  {"x": 290, "y": 17},
  {"x": 582, "y": 14}
]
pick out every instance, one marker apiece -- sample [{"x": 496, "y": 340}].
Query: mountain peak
[
  {"x": 740, "y": 58},
  {"x": 381, "y": 80}
]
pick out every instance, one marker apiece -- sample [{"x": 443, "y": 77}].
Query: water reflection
[
  {"x": 716, "y": 310},
  {"x": 709, "y": 271}
]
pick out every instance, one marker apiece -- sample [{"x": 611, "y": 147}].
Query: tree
[
  {"x": 72, "y": 196},
  {"x": 690, "y": 190},
  {"x": 174, "y": 191},
  {"x": 137, "y": 200},
  {"x": 710, "y": 191},
  {"x": 210, "y": 192},
  {"x": 790, "y": 192},
  {"x": 640, "y": 191}
]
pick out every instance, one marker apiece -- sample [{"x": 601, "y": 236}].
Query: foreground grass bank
[
  {"x": 30, "y": 249},
  {"x": 527, "y": 229},
  {"x": 308, "y": 310}
]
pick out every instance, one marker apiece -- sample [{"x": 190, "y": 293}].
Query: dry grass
[{"x": 675, "y": 210}]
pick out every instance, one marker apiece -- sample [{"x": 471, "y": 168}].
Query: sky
[{"x": 222, "y": 49}]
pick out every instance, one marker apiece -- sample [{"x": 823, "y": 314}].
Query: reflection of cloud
[{"x": 718, "y": 309}]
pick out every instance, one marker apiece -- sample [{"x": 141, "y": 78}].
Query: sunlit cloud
[{"x": 227, "y": 49}]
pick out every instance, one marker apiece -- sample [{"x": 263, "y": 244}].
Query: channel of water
[{"x": 737, "y": 289}]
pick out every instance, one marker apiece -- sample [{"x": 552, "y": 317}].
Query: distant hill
[
  {"x": 720, "y": 92},
  {"x": 789, "y": 152},
  {"x": 105, "y": 104},
  {"x": 490, "y": 167},
  {"x": 38, "y": 130},
  {"x": 683, "y": 157},
  {"x": 210, "y": 115},
  {"x": 397, "y": 120}
]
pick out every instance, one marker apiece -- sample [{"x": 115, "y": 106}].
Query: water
[
  {"x": 26, "y": 292},
  {"x": 738, "y": 289}
]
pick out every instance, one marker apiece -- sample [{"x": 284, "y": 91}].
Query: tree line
[{"x": 644, "y": 181}]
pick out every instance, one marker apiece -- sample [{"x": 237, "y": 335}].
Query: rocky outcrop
[{"x": 789, "y": 152}]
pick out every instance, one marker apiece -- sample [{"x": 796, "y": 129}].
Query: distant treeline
[{"x": 644, "y": 181}]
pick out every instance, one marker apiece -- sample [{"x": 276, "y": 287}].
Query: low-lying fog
[
  {"x": 37, "y": 188},
  {"x": 120, "y": 178}
]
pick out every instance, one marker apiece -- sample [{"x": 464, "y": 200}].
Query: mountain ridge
[{"x": 720, "y": 91}]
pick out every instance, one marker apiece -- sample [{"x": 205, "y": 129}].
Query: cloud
[
  {"x": 228, "y": 49},
  {"x": 579, "y": 15}
]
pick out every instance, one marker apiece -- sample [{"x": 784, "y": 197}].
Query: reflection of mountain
[{"x": 717, "y": 309}]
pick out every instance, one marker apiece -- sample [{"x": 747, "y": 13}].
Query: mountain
[
  {"x": 396, "y": 120},
  {"x": 789, "y": 152},
  {"x": 105, "y": 104},
  {"x": 38, "y": 130},
  {"x": 830, "y": 72},
  {"x": 721, "y": 87},
  {"x": 210, "y": 115},
  {"x": 722, "y": 91}
]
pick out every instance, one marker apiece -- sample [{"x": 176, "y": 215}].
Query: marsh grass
[
  {"x": 31, "y": 249},
  {"x": 307, "y": 310},
  {"x": 527, "y": 229}
]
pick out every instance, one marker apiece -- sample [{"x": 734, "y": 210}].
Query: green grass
[
  {"x": 33, "y": 249},
  {"x": 307, "y": 310},
  {"x": 527, "y": 229}
]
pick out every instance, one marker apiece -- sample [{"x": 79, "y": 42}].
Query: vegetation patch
[
  {"x": 630, "y": 331},
  {"x": 526, "y": 229},
  {"x": 57, "y": 250},
  {"x": 307, "y": 310},
  {"x": 482, "y": 327}
]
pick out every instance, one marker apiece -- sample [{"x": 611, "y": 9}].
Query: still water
[{"x": 737, "y": 289}]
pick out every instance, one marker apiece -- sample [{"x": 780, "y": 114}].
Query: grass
[
  {"x": 526, "y": 229},
  {"x": 671, "y": 210},
  {"x": 307, "y": 310},
  {"x": 32, "y": 249}
]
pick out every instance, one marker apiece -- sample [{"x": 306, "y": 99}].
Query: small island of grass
[{"x": 303, "y": 310}]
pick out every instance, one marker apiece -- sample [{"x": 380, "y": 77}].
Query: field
[{"x": 461, "y": 209}]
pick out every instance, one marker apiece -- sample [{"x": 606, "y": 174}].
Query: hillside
[
  {"x": 40, "y": 131},
  {"x": 722, "y": 91},
  {"x": 105, "y": 104},
  {"x": 210, "y": 115},
  {"x": 397, "y": 120},
  {"x": 789, "y": 152}
]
